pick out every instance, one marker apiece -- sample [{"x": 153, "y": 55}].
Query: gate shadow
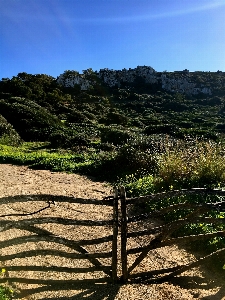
[{"x": 93, "y": 288}]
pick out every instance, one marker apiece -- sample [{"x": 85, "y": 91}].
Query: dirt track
[{"x": 43, "y": 277}]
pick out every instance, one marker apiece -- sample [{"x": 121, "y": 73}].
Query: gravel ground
[{"x": 53, "y": 275}]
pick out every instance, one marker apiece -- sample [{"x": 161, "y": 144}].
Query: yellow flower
[{"x": 3, "y": 270}]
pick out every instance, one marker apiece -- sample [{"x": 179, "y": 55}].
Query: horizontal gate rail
[
  {"x": 200, "y": 207},
  {"x": 176, "y": 193},
  {"x": 171, "y": 227}
]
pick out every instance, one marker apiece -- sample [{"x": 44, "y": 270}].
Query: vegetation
[
  {"x": 6, "y": 293},
  {"x": 138, "y": 135},
  {"x": 8, "y": 135}
]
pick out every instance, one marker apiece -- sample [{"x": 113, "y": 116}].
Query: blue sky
[{"x": 51, "y": 36}]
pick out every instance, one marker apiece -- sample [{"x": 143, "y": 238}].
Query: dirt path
[{"x": 52, "y": 276}]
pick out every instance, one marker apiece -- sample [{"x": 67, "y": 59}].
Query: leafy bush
[
  {"x": 137, "y": 185},
  {"x": 29, "y": 119},
  {"x": 5, "y": 293},
  {"x": 75, "y": 116},
  {"x": 165, "y": 129},
  {"x": 114, "y": 118},
  {"x": 114, "y": 135},
  {"x": 66, "y": 139},
  {"x": 120, "y": 161},
  {"x": 8, "y": 135},
  {"x": 134, "y": 159}
]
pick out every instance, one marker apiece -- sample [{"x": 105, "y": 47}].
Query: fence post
[
  {"x": 124, "y": 235},
  {"x": 115, "y": 234}
]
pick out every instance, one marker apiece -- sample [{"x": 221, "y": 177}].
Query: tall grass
[
  {"x": 179, "y": 165},
  {"x": 195, "y": 164}
]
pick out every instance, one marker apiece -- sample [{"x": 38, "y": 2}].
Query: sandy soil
[{"x": 40, "y": 269}]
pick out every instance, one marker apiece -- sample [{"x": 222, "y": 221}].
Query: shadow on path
[{"x": 100, "y": 287}]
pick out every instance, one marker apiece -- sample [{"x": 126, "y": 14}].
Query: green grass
[
  {"x": 39, "y": 156},
  {"x": 5, "y": 293}
]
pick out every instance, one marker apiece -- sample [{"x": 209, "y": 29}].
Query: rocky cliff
[{"x": 183, "y": 82}]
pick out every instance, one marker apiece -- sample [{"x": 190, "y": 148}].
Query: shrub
[
  {"x": 165, "y": 129},
  {"x": 8, "y": 135},
  {"x": 134, "y": 159},
  {"x": 29, "y": 119},
  {"x": 136, "y": 185},
  {"x": 75, "y": 116},
  {"x": 114, "y": 118},
  {"x": 5, "y": 293},
  {"x": 114, "y": 135},
  {"x": 67, "y": 139}
]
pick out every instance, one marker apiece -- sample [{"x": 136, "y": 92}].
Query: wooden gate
[{"x": 162, "y": 234}]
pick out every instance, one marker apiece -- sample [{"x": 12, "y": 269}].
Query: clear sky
[{"x": 51, "y": 36}]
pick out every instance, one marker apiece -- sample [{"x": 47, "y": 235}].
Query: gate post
[
  {"x": 124, "y": 235},
  {"x": 115, "y": 234}
]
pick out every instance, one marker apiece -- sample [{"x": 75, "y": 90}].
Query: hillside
[{"x": 59, "y": 110}]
